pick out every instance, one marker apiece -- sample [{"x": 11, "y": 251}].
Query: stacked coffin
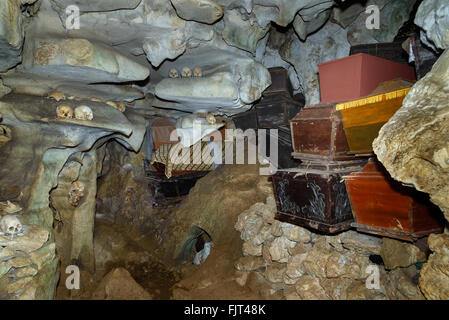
[
  {"x": 336, "y": 187},
  {"x": 313, "y": 194}
]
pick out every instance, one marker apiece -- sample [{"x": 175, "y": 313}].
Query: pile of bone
[
  {"x": 27, "y": 256},
  {"x": 284, "y": 261}
]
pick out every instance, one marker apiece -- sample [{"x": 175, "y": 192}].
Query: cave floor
[{"x": 214, "y": 279}]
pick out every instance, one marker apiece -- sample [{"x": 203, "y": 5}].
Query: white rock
[
  {"x": 279, "y": 249},
  {"x": 433, "y": 17}
]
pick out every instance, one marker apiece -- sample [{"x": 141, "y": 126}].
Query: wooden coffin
[
  {"x": 385, "y": 207},
  {"x": 363, "y": 118},
  {"x": 170, "y": 190},
  {"x": 391, "y": 51},
  {"x": 357, "y": 76},
  {"x": 161, "y": 130},
  {"x": 280, "y": 82},
  {"x": 270, "y": 112},
  {"x": 285, "y": 159},
  {"x": 313, "y": 195},
  {"x": 318, "y": 134},
  {"x": 424, "y": 58}
]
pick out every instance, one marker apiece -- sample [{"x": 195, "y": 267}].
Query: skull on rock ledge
[
  {"x": 173, "y": 73},
  {"x": 64, "y": 112},
  {"x": 84, "y": 113},
  {"x": 11, "y": 226},
  {"x": 186, "y": 72},
  {"x": 197, "y": 72}
]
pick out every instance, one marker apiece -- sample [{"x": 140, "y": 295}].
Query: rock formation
[{"x": 294, "y": 263}]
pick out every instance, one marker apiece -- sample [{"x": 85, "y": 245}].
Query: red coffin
[{"x": 357, "y": 76}]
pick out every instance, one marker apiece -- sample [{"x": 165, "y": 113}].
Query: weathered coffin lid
[
  {"x": 309, "y": 109},
  {"x": 372, "y": 170},
  {"x": 315, "y": 167}
]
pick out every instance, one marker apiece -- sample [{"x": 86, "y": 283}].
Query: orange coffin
[{"x": 383, "y": 206}]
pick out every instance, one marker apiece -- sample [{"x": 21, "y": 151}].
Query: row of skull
[
  {"x": 186, "y": 72},
  {"x": 81, "y": 113}
]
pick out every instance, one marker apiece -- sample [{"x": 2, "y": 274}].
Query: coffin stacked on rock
[
  {"x": 276, "y": 107},
  {"x": 363, "y": 118},
  {"x": 313, "y": 194},
  {"x": 384, "y": 206}
]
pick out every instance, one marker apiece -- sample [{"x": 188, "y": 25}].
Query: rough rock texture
[
  {"x": 28, "y": 265},
  {"x": 230, "y": 189},
  {"x": 412, "y": 145},
  {"x": 393, "y": 15},
  {"x": 299, "y": 264},
  {"x": 434, "y": 279},
  {"x": 11, "y": 34},
  {"x": 119, "y": 285},
  {"x": 329, "y": 44},
  {"x": 48, "y": 146},
  {"x": 433, "y": 18},
  {"x": 205, "y": 11},
  {"x": 396, "y": 253}
]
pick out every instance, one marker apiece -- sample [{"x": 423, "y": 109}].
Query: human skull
[
  {"x": 210, "y": 118},
  {"x": 186, "y": 72},
  {"x": 197, "y": 72},
  {"x": 84, "y": 113},
  {"x": 173, "y": 73},
  {"x": 76, "y": 193},
  {"x": 64, "y": 112},
  {"x": 11, "y": 225}
]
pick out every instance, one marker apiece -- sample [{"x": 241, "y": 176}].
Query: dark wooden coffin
[
  {"x": 314, "y": 195},
  {"x": 280, "y": 82},
  {"x": 363, "y": 118},
  {"x": 424, "y": 58},
  {"x": 270, "y": 112},
  {"x": 318, "y": 134},
  {"x": 386, "y": 207},
  {"x": 285, "y": 159},
  {"x": 167, "y": 191},
  {"x": 391, "y": 51}
]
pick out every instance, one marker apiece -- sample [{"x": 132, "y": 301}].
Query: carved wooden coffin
[
  {"x": 383, "y": 206},
  {"x": 314, "y": 195},
  {"x": 318, "y": 134},
  {"x": 280, "y": 82},
  {"x": 357, "y": 76},
  {"x": 363, "y": 118}
]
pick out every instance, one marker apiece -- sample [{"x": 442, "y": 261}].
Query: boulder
[
  {"x": 120, "y": 285},
  {"x": 434, "y": 276},
  {"x": 396, "y": 254}
]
